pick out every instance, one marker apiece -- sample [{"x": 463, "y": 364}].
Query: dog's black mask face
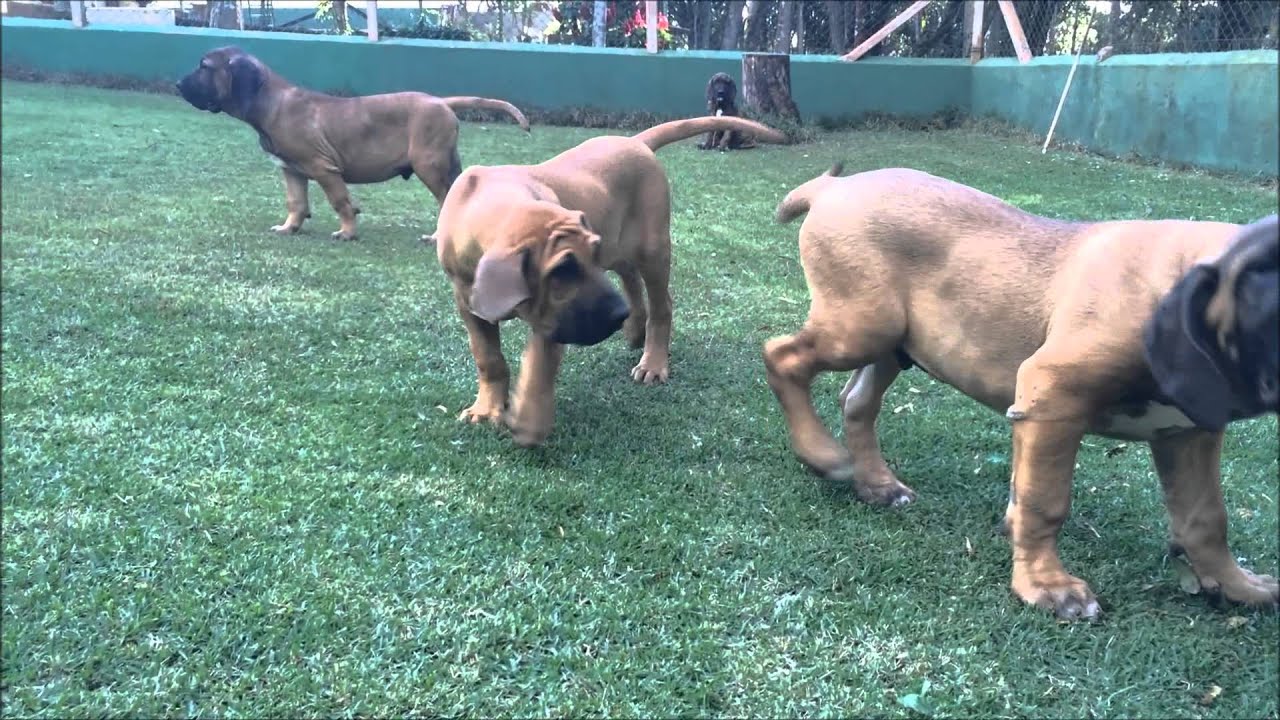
[
  {"x": 721, "y": 93},
  {"x": 551, "y": 279},
  {"x": 595, "y": 313},
  {"x": 227, "y": 79},
  {"x": 1213, "y": 343}
]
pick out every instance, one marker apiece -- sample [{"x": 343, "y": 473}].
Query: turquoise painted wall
[
  {"x": 544, "y": 76},
  {"x": 1213, "y": 110}
]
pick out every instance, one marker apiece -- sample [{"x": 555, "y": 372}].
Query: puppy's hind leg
[
  {"x": 832, "y": 341},
  {"x": 436, "y": 172},
  {"x": 652, "y": 233},
  {"x": 861, "y": 401},
  {"x": 437, "y": 176},
  {"x": 335, "y": 189}
]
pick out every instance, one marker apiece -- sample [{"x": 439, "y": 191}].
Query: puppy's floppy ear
[
  {"x": 246, "y": 80},
  {"x": 1181, "y": 352},
  {"x": 1256, "y": 249},
  {"x": 500, "y": 284}
]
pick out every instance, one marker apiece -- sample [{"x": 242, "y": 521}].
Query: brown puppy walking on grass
[
  {"x": 1157, "y": 331},
  {"x": 335, "y": 140},
  {"x": 534, "y": 242}
]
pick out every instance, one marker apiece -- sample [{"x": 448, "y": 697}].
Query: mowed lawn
[{"x": 235, "y": 485}]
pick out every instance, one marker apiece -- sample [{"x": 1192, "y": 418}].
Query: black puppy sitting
[{"x": 722, "y": 99}]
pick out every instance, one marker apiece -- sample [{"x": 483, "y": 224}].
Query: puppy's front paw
[
  {"x": 1068, "y": 597},
  {"x": 525, "y": 434},
  {"x": 887, "y": 493},
  {"x": 344, "y": 235},
  {"x": 285, "y": 229},
  {"x": 1244, "y": 588},
  {"x": 482, "y": 413},
  {"x": 650, "y": 371}
]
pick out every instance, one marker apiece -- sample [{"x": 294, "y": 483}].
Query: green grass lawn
[{"x": 234, "y": 483}]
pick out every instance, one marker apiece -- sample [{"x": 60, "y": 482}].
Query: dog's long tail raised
[
  {"x": 676, "y": 130},
  {"x": 797, "y": 202},
  {"x": 465, "y": 102}
]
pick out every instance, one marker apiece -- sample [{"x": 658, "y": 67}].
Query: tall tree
[
  {"x": 702, "y": 25},
  {"x": 786, "y": 19},
  {"x": 859, "y": 21},
  {"x": 755, "y": 24},
  {"x": 732, "y": 25},
  {"x": 838, "y": 25}
]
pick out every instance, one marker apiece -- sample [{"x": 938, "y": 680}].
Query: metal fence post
[
  {"x": 371, "y": 19},
  {"x": 77, "y": 13}
]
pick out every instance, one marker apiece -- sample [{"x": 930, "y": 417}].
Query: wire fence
[{"x": 943, "y": 28}]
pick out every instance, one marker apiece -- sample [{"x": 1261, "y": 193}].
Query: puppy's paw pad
[
  {"x": 481, "y": 414},
  {"x": 649, "y": 375},
  {"x": 887, "y": 495},
  {"x": 1256, "y": 591},
  {"x": 523, "y": 435},
  {"x": 1069, "y": 598}
]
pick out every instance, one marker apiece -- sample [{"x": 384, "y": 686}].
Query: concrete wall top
[{"x": 1214, "y": 110}]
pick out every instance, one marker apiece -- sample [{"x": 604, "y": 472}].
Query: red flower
[{"x": 637, "y": 22}]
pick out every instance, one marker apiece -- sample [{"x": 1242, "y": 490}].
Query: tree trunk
[
  {"x": 340, "y": 15},
  {"x": 1113, "y": 25},
  {"x": 755, "y": 25},
  {"x": 786, "y": 16},
  {"x": 837, "y": 26},
  {"x": 1039, "y": 18},
  {"x": 946, "y": 29},
  {"x": 859, "y": 22},
  {"x": 732, "y": 25},
  {"x": 802, "y": 45},
  {"x": 998, "y": 43},
  {"x": 702, "y": 26},
  {"x": 599, "y": 12},
  {"x": 766, "y": 85}
]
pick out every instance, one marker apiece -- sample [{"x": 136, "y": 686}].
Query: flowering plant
[{"x": 624, "y": 24}]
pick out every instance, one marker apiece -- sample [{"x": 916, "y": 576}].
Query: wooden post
[
  {"x": 975, "y": 40},
  {"x": 371, "y": 19},
  {"x": 1018, "y": 37},
  {"x": 883, "y": 32},
  {"x": 766, "y": 85},
  {"x": 651, "y": 25},
  {"x": 1065, "y": 88},
  {"x": 77, "y": 13},
  {"x": 599, "y": 11}
]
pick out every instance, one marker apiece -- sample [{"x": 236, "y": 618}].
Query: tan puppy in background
[
  {"x": 335, "y": 140},
  {"x": 534, "y": 242},
  {"x": 1123, "y": 329}
]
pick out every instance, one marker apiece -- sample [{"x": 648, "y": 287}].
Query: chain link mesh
[{"x": 941, "y": 30}]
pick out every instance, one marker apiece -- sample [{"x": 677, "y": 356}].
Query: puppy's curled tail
[
  {"x": 676, "y": 130},
  {"x": 464, "y": 102},
  {"x": 797, "y": 202}
]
